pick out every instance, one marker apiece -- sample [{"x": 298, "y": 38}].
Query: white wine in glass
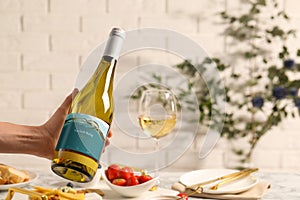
[
  {"x": 157, "y": 113},
  {"x": 157, "y": 127}
]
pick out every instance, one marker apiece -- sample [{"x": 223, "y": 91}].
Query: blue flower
[
  {"x": 279, "y": 92},
  {"x": 294, "y": 92},
  {"x": 289, "y": 64},
  {"x": 297, "y": 103},
  {"x": 257, "y": 102}
]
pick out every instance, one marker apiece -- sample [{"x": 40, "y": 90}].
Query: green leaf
[
  {"x": 276, "y": 31},
  {"x": 283, "y": 79},
  {"x": 281, "y": 55},
  {"x": 248, "y": 126},
  {"x": 265, "y": 60},
  {"x": 235, "y": 76},
  {"x": 249, "y": 55},
  {"x": 232, "y": 20},
  {"x": 272, "y": 72},
  {"x": 284, "y": 52},
  {"x": 286, "y": 16},
  {"x": 291, "y": 32},
  {"x": 294, "y": 84},
  {"x": 262, "y": 2},
  {"x": 258, "y": 77}
]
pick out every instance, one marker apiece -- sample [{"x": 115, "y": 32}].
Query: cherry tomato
[
  {"x": 144, "y": 178},
  {"x": 132, "y": 181},
  {"x": 138, "y": 177},
  {"x": 126, "y": 173},
  {"x": 112, "y": 172},
  {"x": 119, "y": 182},
  {"x": 183, "y": 196}
]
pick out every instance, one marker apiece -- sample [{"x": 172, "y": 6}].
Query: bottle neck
[{"x": 113, "y": 46}]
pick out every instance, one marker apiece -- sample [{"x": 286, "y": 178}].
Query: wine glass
[{"x": 157, "y": 113}]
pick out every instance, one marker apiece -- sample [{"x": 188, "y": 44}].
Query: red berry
[
  {"x": 183, "y": 196},
  {"x": 132, "y": 181},
  {"x": 126, "y": 173},
  {"x": 144, "y": 178},
  {"x": 112, "y": 172}
]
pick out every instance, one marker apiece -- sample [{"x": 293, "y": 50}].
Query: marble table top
[{"x": 283, "y": 185}]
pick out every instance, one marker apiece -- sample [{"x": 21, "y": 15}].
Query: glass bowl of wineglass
[{"x": 157, "y": 113}]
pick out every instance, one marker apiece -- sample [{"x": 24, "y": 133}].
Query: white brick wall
[
  {"x": 78, "y": 7},
  {"x": 43, "y": 43},
  {"x": 24, "y": 42},
  {"x": 50, "y": 23},
  {"x": 24, "y": 81},
  {"x": 10, "y": 62},
  {"x": 23, "y": 6}
]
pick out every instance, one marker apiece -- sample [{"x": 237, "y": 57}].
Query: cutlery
[
  {"x": 225, "y": 179},
  {"x": 233, "y": 178}
]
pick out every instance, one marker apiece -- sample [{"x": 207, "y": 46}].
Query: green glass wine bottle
[{"x": 83, "y": 136}]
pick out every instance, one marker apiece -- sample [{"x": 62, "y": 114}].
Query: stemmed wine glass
[{"x": 157, "y": 113}]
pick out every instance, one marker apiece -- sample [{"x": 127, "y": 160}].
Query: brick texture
[
  {"x": 23, "y": 6},
  {"x": 101, "y": 23},
  {"x": 39, "y": 100},
  {"x": 50, "y": 62},
  {"x": 24, "y": 81},
  {"x": 77, "y": 7},
  {"x": 22, "y": 42},
  {"x": 51, "y": 23},
  {"x": 10, "y": 99},
  {"x": 44, "y": 42},
  {"x": 14, "y": 24},
  {"x": 28, "y": 117},
  {"x": 10, "y": 62},
  {"x": 137, "y": 7}
]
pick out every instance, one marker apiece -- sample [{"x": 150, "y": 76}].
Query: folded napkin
[{"x": 252, "y": 194}]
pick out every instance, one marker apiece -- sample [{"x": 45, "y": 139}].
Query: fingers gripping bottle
[{"x": 83, "y": 136}]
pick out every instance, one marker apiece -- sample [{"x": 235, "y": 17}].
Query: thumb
[
  {"x": 58, "y": 118},
  {"x": 65, "y": 106}
]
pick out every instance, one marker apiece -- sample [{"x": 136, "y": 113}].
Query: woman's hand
[
  {"x": 51, "y": 130},
  {"x": 53, "y": 127},
  {"x": 37, "y": 140}
]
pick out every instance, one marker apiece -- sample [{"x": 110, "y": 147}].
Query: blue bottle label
[{"x": 84, "y": 134}]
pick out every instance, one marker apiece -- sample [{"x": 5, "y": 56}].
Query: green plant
[
  {"x": 267, "y": 85},
  {"x": 260, "y": 73}
]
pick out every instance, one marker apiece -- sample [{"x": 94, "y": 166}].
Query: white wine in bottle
[{"x": 83, "y": 136}]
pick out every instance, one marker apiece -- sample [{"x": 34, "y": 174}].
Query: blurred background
[{"x": 44, "y": 42}]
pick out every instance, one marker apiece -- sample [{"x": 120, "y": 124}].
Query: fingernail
[{"x": 75, "y": 92}]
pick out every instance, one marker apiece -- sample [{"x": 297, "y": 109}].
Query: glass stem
[
  {"x": 156, "y": 144},
  {"x": 157, "y": 158}
]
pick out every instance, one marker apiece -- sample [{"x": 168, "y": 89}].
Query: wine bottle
[{"x": 83, "y": 136}]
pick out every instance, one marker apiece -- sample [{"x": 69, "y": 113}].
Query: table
[{"x": 283, "y": 185}]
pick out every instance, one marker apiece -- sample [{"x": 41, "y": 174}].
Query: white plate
[
  {"x": 32, "y": 177},
  {"x": 236, "y": 186}
]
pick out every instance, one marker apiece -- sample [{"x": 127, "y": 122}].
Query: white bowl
[{"x": 131, "y": 191}]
